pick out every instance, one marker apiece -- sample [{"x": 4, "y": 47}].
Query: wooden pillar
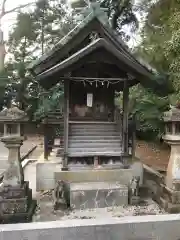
[
  {"x": 125, "y": 142},
  {"x": 66, "y": 125},
  {"x": 46, "y": 150},
  {"x": 134, "y": 137}
]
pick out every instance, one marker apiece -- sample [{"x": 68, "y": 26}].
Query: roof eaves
[{"x": 99, "y": 42}]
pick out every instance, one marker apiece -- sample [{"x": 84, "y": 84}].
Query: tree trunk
[
  {"x": 2, "y": 51},
  {"x": 3, "y": 12}
]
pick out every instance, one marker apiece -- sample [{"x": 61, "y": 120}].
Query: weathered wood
[
  {"x": 66, "y": 124},
  {"x": 46, "y": 152},
  {"x": 79, "y": 79},
  {"x": 99, "y": 48},
  {"x": 125, "y": 118},
  {"x": 89, "y": 140},
  {"x": 102, "y": 107},
  {"x": 95, "y": 153},
  {"x": 134, "y": 137},
  {"x": 75, "y": 43}
]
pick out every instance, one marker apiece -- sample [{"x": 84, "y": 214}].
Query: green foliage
[
  {"x": 160, "y": 48},
  {"x": 36, "y": 31},
  {"x": 121, "y": 14},
  {"x": 160, "y": 44},
  {"x": 33, "y": 32},
  {"x": 148, "y": 109},
  {"x": 53, "y": 20},
  {"x": 42, "y": 28},
  {"x": 49, "y": 101},
  {"x": 4, "y": 82}
]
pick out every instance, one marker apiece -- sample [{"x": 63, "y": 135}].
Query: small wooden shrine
[{"x": 93, "y": 63}]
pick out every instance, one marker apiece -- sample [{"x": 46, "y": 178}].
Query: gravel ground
[{"x": 45, "y": 210}]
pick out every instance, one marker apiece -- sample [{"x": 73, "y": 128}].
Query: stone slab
[
  {"x": 97, "y": 195},
  {"x": 162, "y": 227},
  {"x": 100, "y": 175},
  {"x": 45, "y": 175}
]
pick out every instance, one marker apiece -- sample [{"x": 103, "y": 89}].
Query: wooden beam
[
  {"x": 104, "y": 70},
  {"x": 125, "y": 121},
  {"x": 93, "y": 79},
  {"x": 66, "y": 125}
]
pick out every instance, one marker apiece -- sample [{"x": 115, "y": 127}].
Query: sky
[{"x": 9, "y": 19}]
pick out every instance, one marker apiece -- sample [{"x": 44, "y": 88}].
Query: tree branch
[
  {"x": 3, "y": 8},
  {"x": 3, "y": 13}
]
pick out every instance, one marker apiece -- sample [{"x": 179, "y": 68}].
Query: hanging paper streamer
[{"x": 89, "y": 100}]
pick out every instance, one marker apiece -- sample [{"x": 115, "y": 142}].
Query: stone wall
[{"x": 161, "y": 227}]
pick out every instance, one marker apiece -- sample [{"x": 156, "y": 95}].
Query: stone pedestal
[
  {"x": 14, "y": 174},
  {"x": 171, "y": 191},
  {"x": 16, "y": 204},
  {"x": 173, "y": 169}
]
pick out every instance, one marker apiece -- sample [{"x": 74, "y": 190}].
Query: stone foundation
[
  {"x": 97, "y": 195},
  {"x": 123, "y": 176}
]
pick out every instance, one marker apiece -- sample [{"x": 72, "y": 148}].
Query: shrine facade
[{"x": 93, "y": 64}]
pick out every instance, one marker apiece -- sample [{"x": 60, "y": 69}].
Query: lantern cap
[
  {"x": 12, "y": 114},
  {"x": 173, "y": 115}
]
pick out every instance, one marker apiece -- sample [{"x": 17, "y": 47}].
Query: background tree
[
  {"x": 47, "y": 24},
  {"x": 121, "y": 13},
  {"x": 32, "y": 34},
  {"x": 4, "y": 73},
  {"x": 160, "y": 48},
  {"x": 4, "y": 12}
]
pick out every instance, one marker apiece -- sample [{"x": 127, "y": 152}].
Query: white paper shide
[{"x": 89, "y": 100}]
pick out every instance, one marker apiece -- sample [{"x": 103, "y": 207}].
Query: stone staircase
[{"x": 88, "y": 139}]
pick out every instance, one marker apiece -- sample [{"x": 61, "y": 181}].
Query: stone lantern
[
  {"x": 172, "y": 137},
  {"x": 16, "y": 203},
  {"x": 13, "y": 119}
]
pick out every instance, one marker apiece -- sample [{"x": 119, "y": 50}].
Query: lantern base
[{"x": 16, "y": 204}]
